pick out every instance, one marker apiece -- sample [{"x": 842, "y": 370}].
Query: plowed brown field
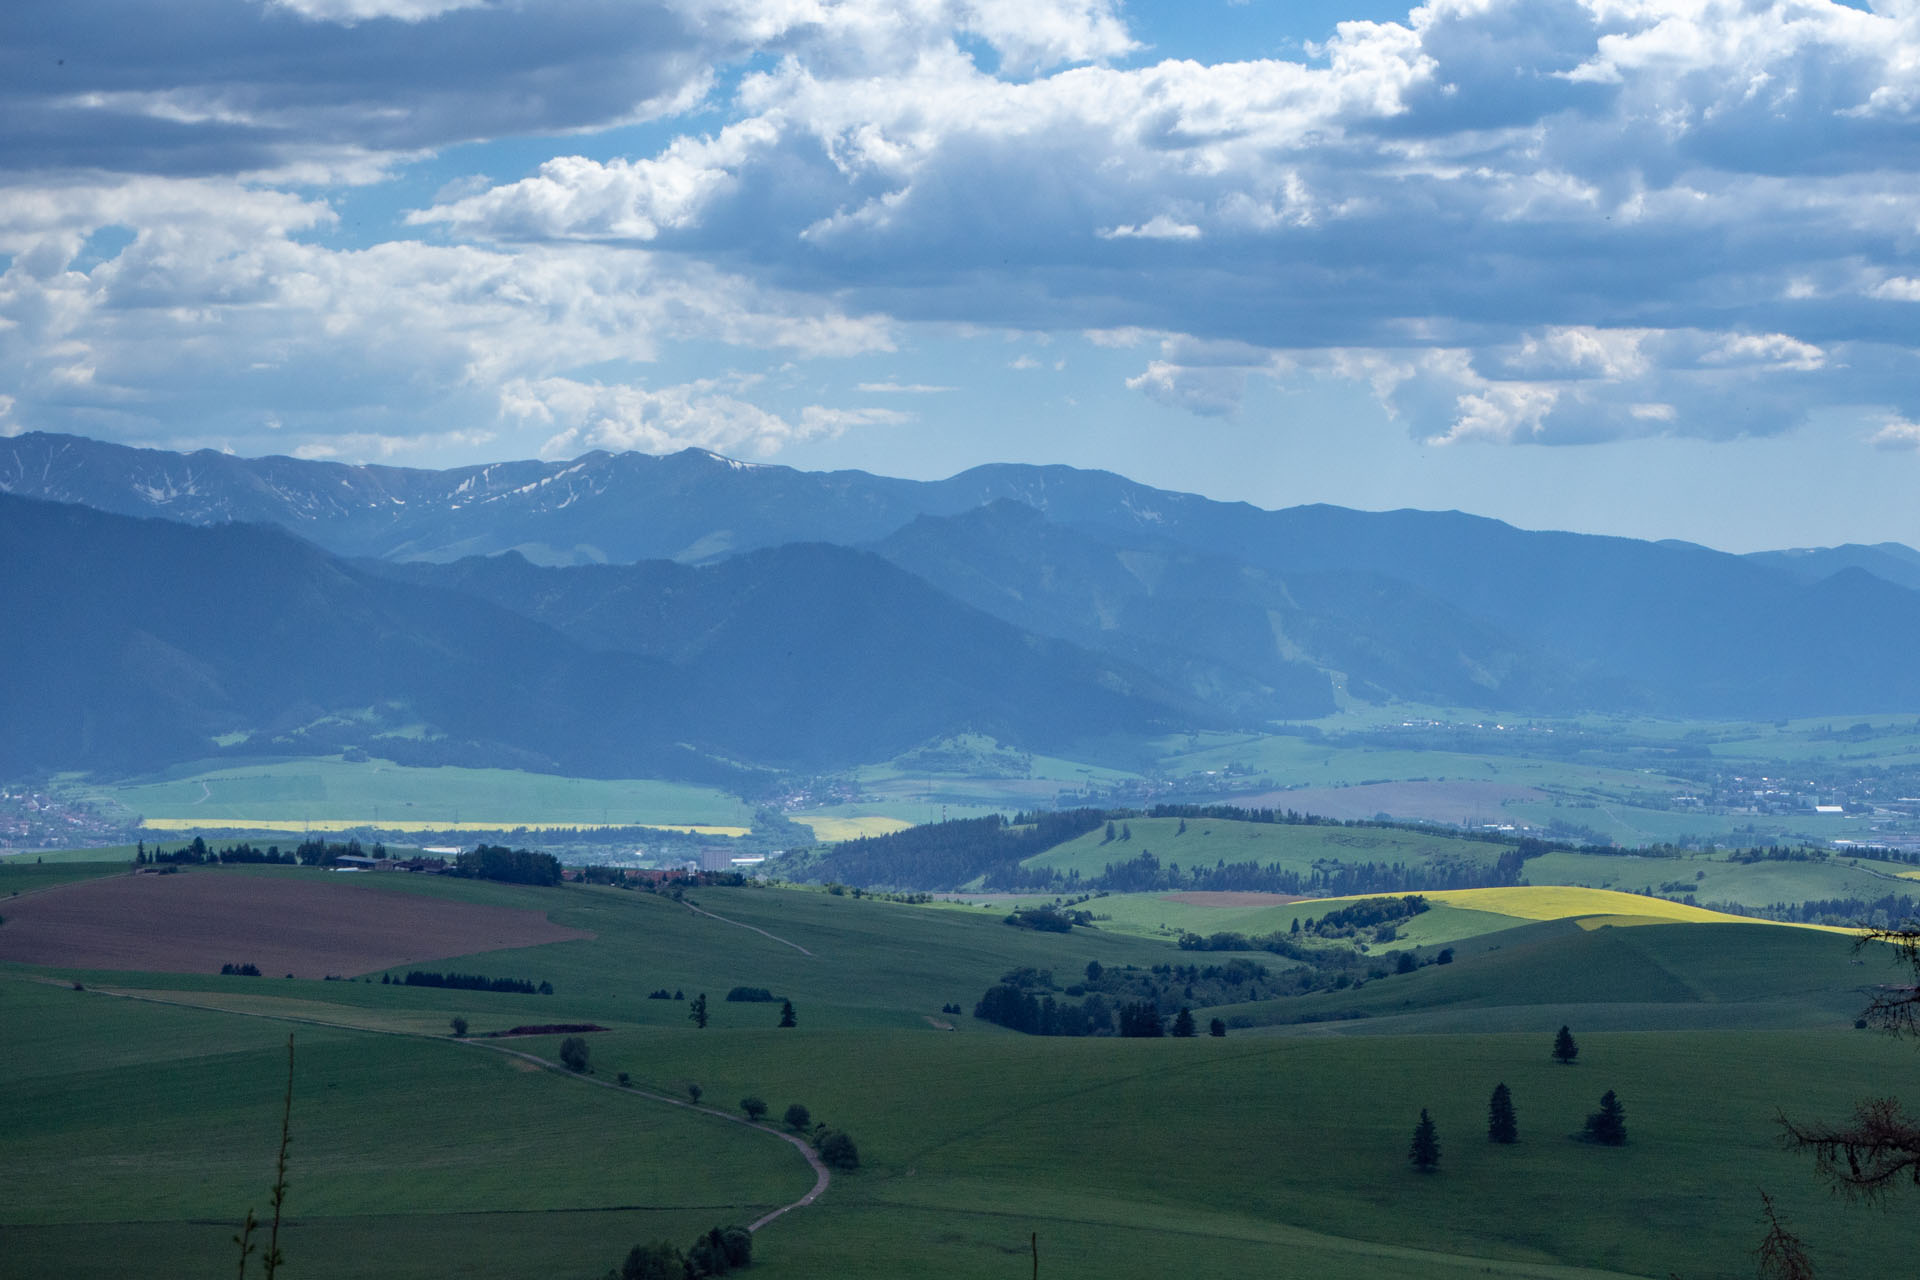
[{"x": 308, "y": 926}]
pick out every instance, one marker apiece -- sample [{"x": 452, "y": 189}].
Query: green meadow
[
  {"x": 334, "y": 790},
  {"x": 142, "y": 1112},
  {"x": 1203, "y": 842}
]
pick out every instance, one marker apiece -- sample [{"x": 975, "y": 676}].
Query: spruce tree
[
  {"x": 1183, "y": 1024},
  {"x": 786, "y": 1014},
  {"x": 1501, "y": 1123},
  {"x": 1564, "y": 1049},
  {"x": 697, "y": 1011},
  {"x": 1608, "y": 1125},
  {"x": 1425, "y": 1152}
]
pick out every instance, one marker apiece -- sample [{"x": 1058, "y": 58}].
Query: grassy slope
[
  {"x": 1297, "y": 848},
  {"x": 1232, "y": 1152},
  {"x": 1713, "y": 879}
]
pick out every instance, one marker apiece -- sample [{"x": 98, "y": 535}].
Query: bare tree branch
[{"x": 1781, "y": 1255}]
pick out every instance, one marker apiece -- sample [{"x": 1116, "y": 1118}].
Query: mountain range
[{"x": 694, "y": 616}]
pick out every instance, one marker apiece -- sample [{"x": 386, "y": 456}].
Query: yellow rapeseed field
[
  {"x": 1594, "y": 908},
  {"x": 825, "y": 828}
]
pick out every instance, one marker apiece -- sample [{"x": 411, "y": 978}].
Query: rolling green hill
[{"x": 148, "y": 1118}]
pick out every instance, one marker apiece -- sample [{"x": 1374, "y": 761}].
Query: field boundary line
[
  {"x": 822, "y": 1178},
  {"x": 702, "y": 911}
]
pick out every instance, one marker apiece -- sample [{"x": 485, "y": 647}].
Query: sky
[{"x": 1644, "y": 267}]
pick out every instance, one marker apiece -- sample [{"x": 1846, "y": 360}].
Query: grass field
[
  {"x": 331, "y": 793},
  {"x": 145, "y": 1129},
  {"x": 1714, "y": 879}
]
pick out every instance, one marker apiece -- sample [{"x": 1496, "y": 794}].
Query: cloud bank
[{"x": 1515, "y": 221}]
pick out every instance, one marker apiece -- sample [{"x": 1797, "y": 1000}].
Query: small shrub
[
  {"x": 626, "y": 1081},
  {"x": 798, "y": 1117},
  {"x": 694, "y": 1091},
  {"x": 574, "y": 1054},
  {"x": 754, "y": 1108},
  {"x": 459, "y": 1026}
]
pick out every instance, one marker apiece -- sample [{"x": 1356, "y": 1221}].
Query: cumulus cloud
[
  {"x": 1547, "y": 221},
  {"x": 706, "y": 414},
  {"x": 1897, "y": 434},
  {"x": 218, "y": 312},
  {"x": 1541, "y": 189}
]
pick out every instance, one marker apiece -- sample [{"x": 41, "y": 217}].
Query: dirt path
[
  {"x": 822, "y": 1178},
  {"x": 701, "y": 911}
]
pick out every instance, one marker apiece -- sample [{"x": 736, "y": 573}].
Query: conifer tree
[
  {"x": 698, "y": 1011},
  {"x": 786, "y": 1014},
  {"x": 1608, "y": 1125},
  {"x": 1502, "y": 1126},
  {"x": 1183, "y": 1024},
  {"x": 1564, "y": 1049},
  {"x": 1425, "y": 1152}
]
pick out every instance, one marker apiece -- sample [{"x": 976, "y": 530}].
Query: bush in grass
[
  {"x": 719, "y": 1251},
  {"x": 798, "y": 1117},
  {"x": 694, "y": 1091},
  {"x": 837, "y": 1150},
  {"x": 459, "y": 1026},
  {"x": 754, "y": 1108},
  {"x": 657, "y": 1261},
  {"x": 1216, "y": 1028},
  {"x": 574, "y": 1053},
  {"x": 750, "y": 995}
]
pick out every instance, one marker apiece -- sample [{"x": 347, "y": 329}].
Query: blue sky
[{"x": 1648, "y": 267}]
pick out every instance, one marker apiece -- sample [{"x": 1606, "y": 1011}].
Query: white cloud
[
  {"x": 1547, "y": 221},
  {"x": 352, "y": 11},
  {"x": 1158, "y": 227},
  {"x": 900, "y": 388},
  {"x": 705, "y": 414},
  {"x": 1897, "y": 434},
  {"x": 1211, "y": 392}
]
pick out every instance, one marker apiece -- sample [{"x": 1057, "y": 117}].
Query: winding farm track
[
  {"x": 701, "y": 911},
  {"x": 822, "y": 1178}
]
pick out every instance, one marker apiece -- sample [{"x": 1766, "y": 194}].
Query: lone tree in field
[
  {"x": 753, "y": 1107},
  {"x": 574, "y": 1053},
  {"x": 1425, "y": 1152},
  {"x": 698, "y": 1011},
  {"x": 1564, "y": 1049},
  {"x": 798, "y": 1117},
  {"x": 1217, "y": 1027},
  {"x": 694, "y": 1091},
  {"x": 459, "y": 1026},
  {"x": 1183, "y": 1024},
  {"x": 1501, "y": 1124},
  {"x": 1608, "y": 1125},
  {"x": 786, "y": 1014}
]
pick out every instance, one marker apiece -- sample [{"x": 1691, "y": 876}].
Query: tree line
[
  {"x": 469, "y": 982},
  {"x": 510, "y": 866}
]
